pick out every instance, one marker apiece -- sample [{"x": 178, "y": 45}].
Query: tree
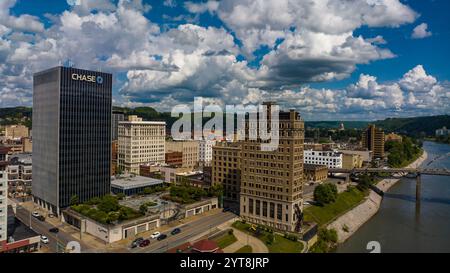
[
  {"x": 143, "y": 208},
  {"x": 325, "y": 193},
  {"x": 148, "y": 190},
  {"x": 364, "y": 182},
  {"x": 121, "y": 196},
  {"x": 109, "y": 203}
]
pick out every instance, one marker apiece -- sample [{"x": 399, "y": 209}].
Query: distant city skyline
[{"x": 334, "y": 60}]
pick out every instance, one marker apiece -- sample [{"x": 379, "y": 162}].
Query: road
[
  {"x": 188, "y": 231},
  {"x": 42, "y": 227}
]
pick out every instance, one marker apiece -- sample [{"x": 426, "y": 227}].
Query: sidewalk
[{"x": 244, "y": 239}]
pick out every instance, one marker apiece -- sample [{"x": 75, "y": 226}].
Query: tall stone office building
[
  {"x": 373, "y": 140},
  {"x": 71, "y": 136},
  {"x": 226, "y": 171},
  {"x": 272, "y": 181}
]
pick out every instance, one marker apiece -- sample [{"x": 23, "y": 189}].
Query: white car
[
  {"x": 155, "y": 235},
  {"x": 44, "y": 239},
  {"x": 35, "y": 214}
]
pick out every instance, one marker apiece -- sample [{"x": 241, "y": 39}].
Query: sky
[{"x": 328, "y": 59}]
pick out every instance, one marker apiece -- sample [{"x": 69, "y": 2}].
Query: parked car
[
  {"x": 144, "y": 243},
  {"x": 175, "y": 231},
  {"x": 136, "y": 242},
  {"x": 41, "y": 218},
  {"x": 35, "y": 214},
  {"x": 54, "y": 230},
  {"x": 51, "y": 215},
  {"x": 44, "y": 239},
  {"x": 226, "y": 209},
  {"x": 155, "y": 234},
  {"x": 161, "y": 237}
]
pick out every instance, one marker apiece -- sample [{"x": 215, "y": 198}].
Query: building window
[
  {"x": 279, "y": 212},
  {"x": 272, "y": 210},
  {"x": 258, "y": 207},
  {"x": 264, "y": 212},
  {"x": 250, "y": 206}
]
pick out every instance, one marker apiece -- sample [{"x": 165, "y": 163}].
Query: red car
[{"x": 144, "y": 243}]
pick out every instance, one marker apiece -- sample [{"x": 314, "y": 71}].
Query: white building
[
  {"x": 332, "y": 159},
  {"x": 140, "y": 142},
  {"x": 20, "y": 171},
  {"x": 3, "y": 204},
  {"x": 205, "y": 151},
  {"x": 443, "y": 131}
]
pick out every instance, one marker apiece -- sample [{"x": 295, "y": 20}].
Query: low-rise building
[
  {"x": 315, "y": 173},
  {"x": 443, "y": 131},
  {"x": 195, "y": 179},
  {"x": 169, "y": 173},
  {"x": 16, "y": 131},
  {"x": 133, "y": 184},
  {"x": 365, "y": 155},
  {"x": 189, "y": 148},
  {"x": 150, "y": 170},
  {"x": 332, "y": 159},
  {"x": 20, "y": 172},
  {"x": 19, "y": 238},
  {"x": 3, "y": 199},
  {"x": 174, "y": 158},
  {"x": 120, "y": 230},
  {"x": 393, "y": 137},
  {"x": 350, "y": 161}
]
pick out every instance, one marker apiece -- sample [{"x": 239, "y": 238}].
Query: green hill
[
  {"x": 417, "y": 126},
  {"x": 16, "y": 115},
  {"x": 335, "y": 124}
]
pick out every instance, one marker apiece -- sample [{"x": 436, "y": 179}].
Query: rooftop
[
  {"x": 25, "y": 159},
  {"x": 126, "y": 182}
]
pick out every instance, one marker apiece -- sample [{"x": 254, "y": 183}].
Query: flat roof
[
  {"x": 20, "y": 230},
  {"x": 126, "y": 182},
  {"x": 143, "y": 122}
]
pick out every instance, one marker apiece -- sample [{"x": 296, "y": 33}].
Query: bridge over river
[{"x": 398, "y": 172}]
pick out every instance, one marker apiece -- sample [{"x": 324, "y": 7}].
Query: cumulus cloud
[
  {"x": 162, "y": 66},
  {"x": 23, "y": 22},
  {"x": 421, "y": 31}
]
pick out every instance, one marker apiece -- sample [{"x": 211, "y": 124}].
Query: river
[{"x": 400, "y": 226}]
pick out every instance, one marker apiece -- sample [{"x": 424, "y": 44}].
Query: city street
[
  {"x": 42, "y": 227},
  {"x": 188, "y": 232}
]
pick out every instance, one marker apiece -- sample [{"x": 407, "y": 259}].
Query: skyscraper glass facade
[{"x": 71, "y": 135}]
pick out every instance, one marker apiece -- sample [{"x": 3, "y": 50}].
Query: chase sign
[{"x": 87, "y": 78}]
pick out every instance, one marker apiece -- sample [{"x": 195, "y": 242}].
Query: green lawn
[
  {"x": 344, "y": 202},
  {"x": 280, "y": 244},
  {"x": 225, "y": 240},
  {"x": 245, "y": 249}
]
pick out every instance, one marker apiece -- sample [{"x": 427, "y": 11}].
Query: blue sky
[{"x": 337, "y": 59}]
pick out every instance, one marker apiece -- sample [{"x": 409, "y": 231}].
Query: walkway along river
[{"x": 399, "y": 226}]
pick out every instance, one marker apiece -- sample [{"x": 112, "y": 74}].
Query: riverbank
[{"x": 351, "y": 221}]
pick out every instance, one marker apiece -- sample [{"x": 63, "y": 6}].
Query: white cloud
[
  {"x": 166, "y": 66},
  {"x": 170, "y": 3},
  {"x": 417, "y": 80},
  {"x": 23, "y": 22},
  {"x": 421, "y": 31}
]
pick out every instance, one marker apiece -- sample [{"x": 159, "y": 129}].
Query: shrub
[{"x": 230, "y": 232}]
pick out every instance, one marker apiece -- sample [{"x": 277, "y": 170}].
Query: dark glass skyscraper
[{"x": 71, "y": 136}]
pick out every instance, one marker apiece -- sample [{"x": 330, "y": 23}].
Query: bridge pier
[{"x": 418, "y": 187}]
